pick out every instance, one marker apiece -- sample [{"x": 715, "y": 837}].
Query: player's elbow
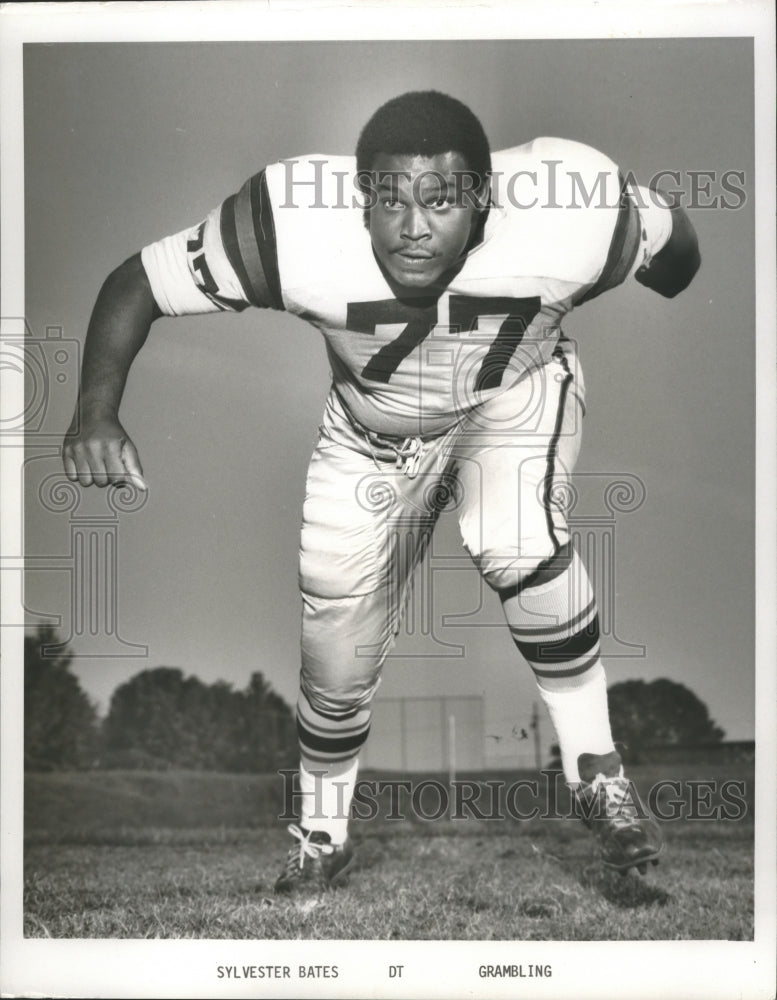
[
  {"x": 128, "y": 283},
  {"x": 674, "y": 267},
  {"x": 670, "y": 277},
  {"x": 683, "y": 275}
]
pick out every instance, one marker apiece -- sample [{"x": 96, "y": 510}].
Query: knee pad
[
  {"x": 507, "y": 566},
  {"x": 343, "y": 698}
]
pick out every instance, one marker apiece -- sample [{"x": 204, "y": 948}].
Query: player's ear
[
  {"x": 473, "y": 190},
  {"x": 483, "y": 194}
]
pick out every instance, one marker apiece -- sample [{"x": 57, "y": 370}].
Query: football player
[{"x": 439, "y": 277}]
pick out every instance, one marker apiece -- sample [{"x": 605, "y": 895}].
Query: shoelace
[
  {"x": 618, "y": 803},
  {"x": 312, "y": 850}
]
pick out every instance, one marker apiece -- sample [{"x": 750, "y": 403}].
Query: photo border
[{"x": 581, "y": 969}]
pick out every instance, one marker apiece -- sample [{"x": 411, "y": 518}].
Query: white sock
[
  {"x": 581, "y": 720},
  {"x": 327, "y": 790}
]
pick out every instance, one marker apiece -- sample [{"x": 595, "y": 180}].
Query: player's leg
[
  {"x": 364, "y": 528},
  {"x": 515, "y": 458},
  {"x": 514, "y": 470}
]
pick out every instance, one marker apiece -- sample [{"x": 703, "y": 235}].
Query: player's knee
[
  {"x": 505, "y": 566},
  {"x": 341, "y": 696},
  {"x": 344, "y": 644}
]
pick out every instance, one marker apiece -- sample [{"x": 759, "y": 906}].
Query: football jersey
[{"x": 562, "y": 227}]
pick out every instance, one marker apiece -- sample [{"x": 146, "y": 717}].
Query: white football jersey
[{"x": 562, "y": 227}]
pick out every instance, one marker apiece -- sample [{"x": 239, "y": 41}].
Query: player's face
[{"x": 423, "y": 216}]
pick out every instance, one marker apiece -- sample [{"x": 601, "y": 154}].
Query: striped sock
[
  {"x": 329, "y": 744},
  {"x": 326, "y": 797},
  {"x": 330, "y": 736},
  {"x": 555, "y": 625},
  {"x": 581, "y": 720}
]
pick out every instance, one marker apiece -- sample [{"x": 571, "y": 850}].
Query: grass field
[{"x": 111, "y": 855}]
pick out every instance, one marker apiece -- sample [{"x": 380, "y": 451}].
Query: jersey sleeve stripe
[
  {"x": 264, "y": 233},
  {"x": 623, "y": 247},
  {"x": 248, "y": 236},
  {"x": 234, "y": 250}
]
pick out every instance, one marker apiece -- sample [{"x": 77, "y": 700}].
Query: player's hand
[{"x": 100, "y": 453}]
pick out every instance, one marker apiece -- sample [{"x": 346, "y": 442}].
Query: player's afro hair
[{"x": 424, "y": 123}]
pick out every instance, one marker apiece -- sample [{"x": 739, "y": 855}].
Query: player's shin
[
  {"x": 555, "y": 626},
  {"x": 581, "y": 720},
  {"x": 327, "y": 792},
  {"x": 329, "y": 745}
]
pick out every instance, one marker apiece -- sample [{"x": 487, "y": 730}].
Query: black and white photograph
[{"x": 388, "y": 483}]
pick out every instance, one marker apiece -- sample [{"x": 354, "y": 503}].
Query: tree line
[
  {"x": 162, "y": 719},
  {"x": 158, "y": 719}
]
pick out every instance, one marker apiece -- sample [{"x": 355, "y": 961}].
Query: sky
[{"x": 125, "y": 143}]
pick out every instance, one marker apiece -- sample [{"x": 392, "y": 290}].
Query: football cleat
[
  {"x": 609, "y": 805},
  {"x": 314, "y": 864}
]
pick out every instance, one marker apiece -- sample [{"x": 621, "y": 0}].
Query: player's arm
[
  {"x": 225, "y": 263},
  {"x": 97, "y": 449},
  {"x": 670, "y": 269}
]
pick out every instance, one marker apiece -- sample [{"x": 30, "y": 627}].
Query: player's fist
[{"x": 100, "y": 452}]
